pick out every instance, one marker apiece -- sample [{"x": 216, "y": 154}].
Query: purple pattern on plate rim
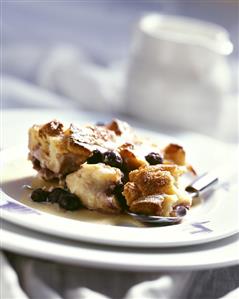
[
  {"x": 7, "y": 204},
  {"x": 200, "y": 227}
]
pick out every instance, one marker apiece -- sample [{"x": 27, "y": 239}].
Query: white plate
[
  {"x": 208, "y": 256},
  {"x": 213, "y": 220}
]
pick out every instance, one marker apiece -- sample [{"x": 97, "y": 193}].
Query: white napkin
[
  {"x": 10, "y": 288},
  {"x": 68, "y": 72},
  {"x": 232, "y": 295},
  {"x": 21, "y": 94},
  {"x": 165, "y": 287},
  {"x": 161, "y": 288}
]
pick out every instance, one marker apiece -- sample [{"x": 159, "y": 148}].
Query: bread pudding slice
[
  {"x": 105, "y": 165},
  {"x": 154, "y": 190},
  {"x": 94, "y": 184},
  {"x": 56, "y": 150}
]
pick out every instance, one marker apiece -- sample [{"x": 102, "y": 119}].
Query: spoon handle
[{"x": 202, "y": 184}]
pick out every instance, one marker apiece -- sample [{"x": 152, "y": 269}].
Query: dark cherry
[
  {"x": 95, "y": 158},
  {"x": 119, "y": 188},
  {"x": 154, "y": 158},
  {"x": 69, "y": 202},
  {"x": 39, "y": 195},
  {"x": 113, "y": 159},
  {"x": 55, "y": 195},
  {"x": 180, "y": 210}
]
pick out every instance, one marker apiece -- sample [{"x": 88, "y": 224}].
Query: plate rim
[{"x": 80, "y": 259}]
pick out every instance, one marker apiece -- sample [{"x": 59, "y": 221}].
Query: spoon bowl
[{"x": 156, "y": 219}]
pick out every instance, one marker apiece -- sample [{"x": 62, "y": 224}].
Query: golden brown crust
[
  {"x": 52, "y": 128},
  {"x": 175, "y": 153},
  {"x": 131, "y": 192},
  {"x": 92, "y": 136},
  {"x": 131, "y": 159},
  {"x": 148, "y": 181},
  {"x": 149, "y": 184},
  {"x": 148, "y": 206},
  {"x": 119, "y": 127}
]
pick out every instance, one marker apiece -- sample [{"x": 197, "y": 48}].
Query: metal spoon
[{"x": 201, "y": 186}]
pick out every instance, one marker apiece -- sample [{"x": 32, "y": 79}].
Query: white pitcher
[{"x": 178, "y": 73}]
